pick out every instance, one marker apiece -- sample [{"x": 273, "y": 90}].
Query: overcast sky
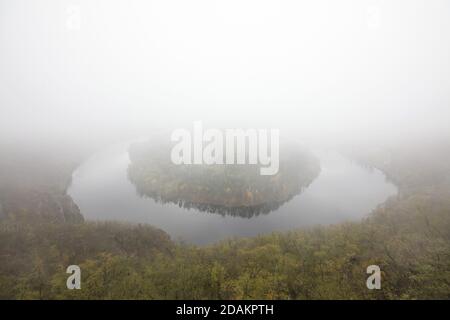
[{"x": 94, "y": 67}]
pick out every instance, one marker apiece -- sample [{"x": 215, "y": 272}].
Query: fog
[
  {"x": 86, "y": 70},
  {"x": 224, "y": 149}
]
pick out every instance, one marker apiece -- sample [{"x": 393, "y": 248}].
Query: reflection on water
[
  {"x": 343, "y": 191},
  {"x": 235, "y": 190}
]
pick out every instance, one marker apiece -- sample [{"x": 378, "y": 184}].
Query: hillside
[
  {"x": 408, "y": 237},
  {"x": 33, "y": 184}
]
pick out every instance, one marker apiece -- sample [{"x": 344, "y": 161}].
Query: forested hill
[
  {"x": 33, "y": 184},
  {"x": 421, "y": 167},
  {"x": 408, "y": 237}
]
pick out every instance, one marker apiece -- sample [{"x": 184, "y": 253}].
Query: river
[{"x": 343, "y": 191}]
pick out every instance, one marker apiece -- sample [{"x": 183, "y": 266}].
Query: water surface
[{"x": 343, "y": 191}]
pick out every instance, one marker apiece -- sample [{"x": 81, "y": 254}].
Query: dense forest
[{"x": 408, "y": 237}]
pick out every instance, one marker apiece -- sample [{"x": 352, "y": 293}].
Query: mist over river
[{"x": 343, "y": 191}]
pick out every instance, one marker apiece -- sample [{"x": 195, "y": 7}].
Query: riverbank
[
  {"x": 34, "y": 182},
  {"x": 407, "y": 237}
]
